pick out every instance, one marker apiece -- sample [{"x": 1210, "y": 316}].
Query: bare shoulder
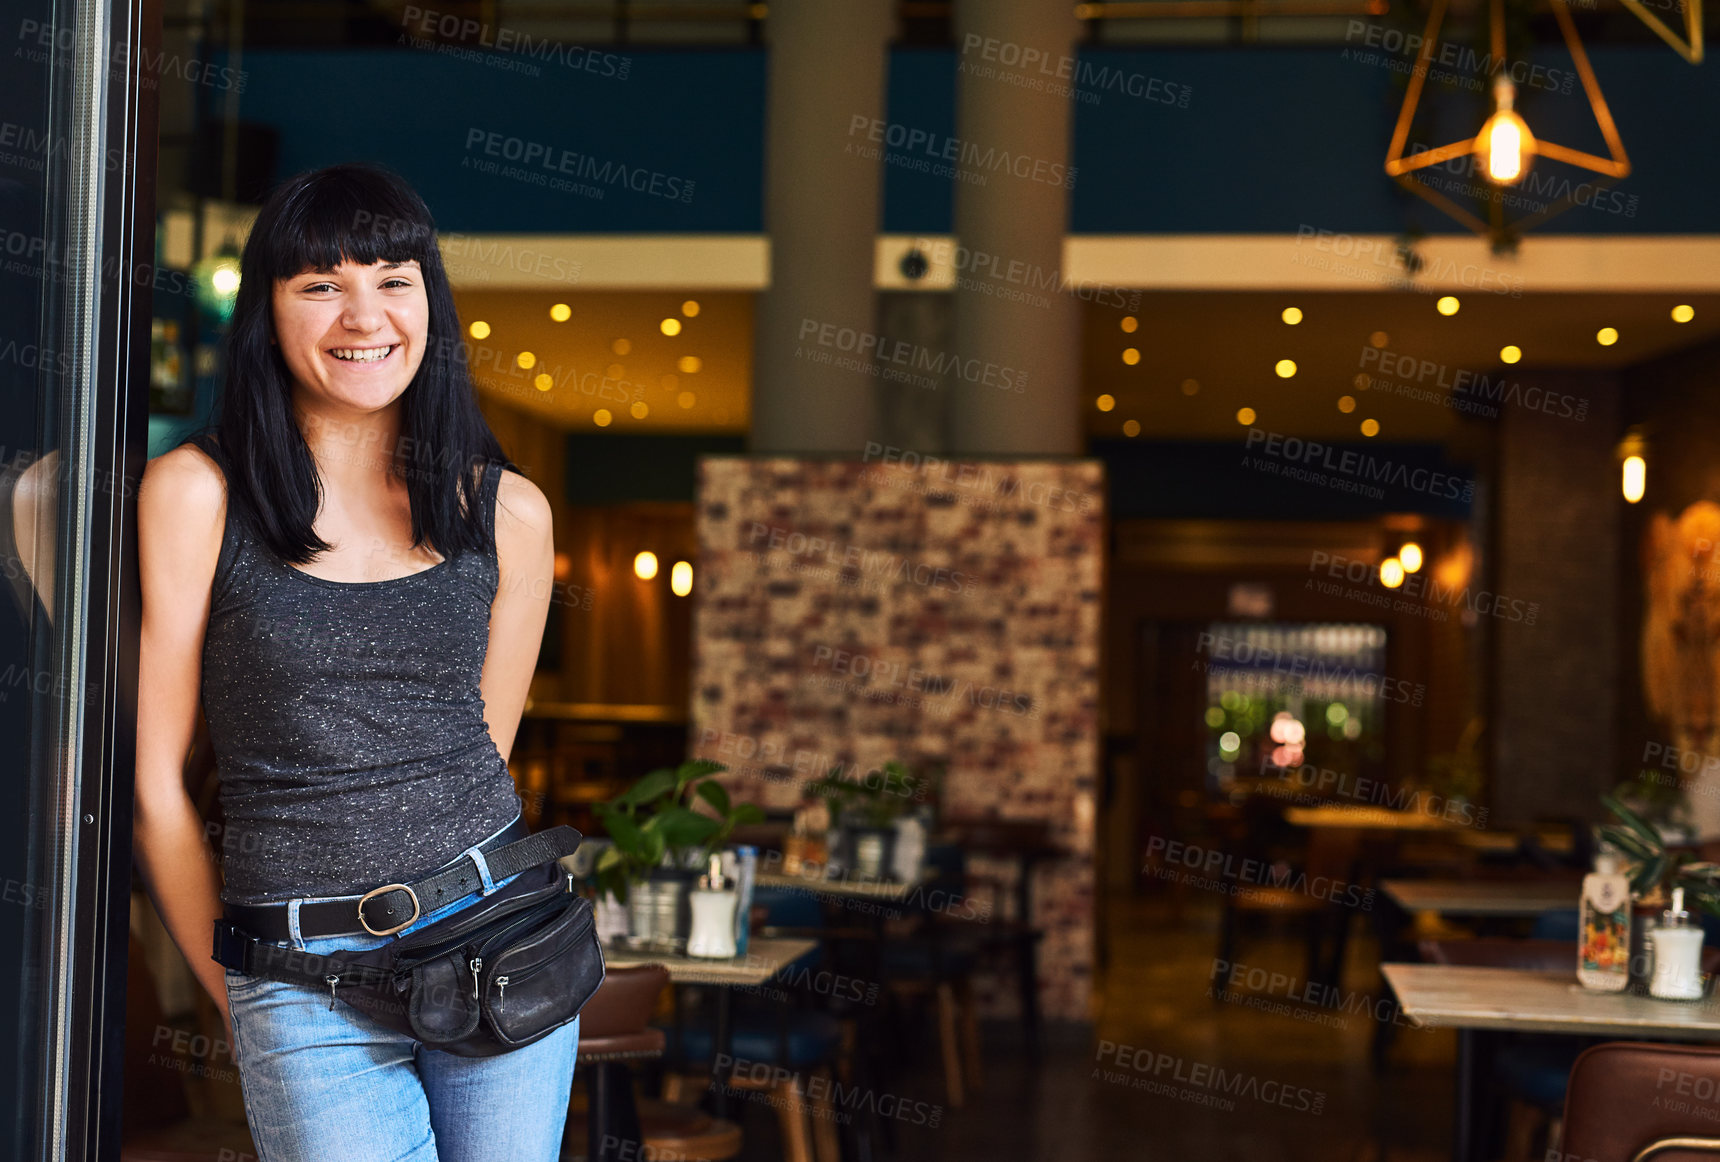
[
  {"x": 182, "y": 498},
  {"x": 522, "y": 510}
]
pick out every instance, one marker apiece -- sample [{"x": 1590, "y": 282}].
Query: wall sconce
[
  {"x": 681, "y": 578},
  {"x": 645, "y": 566},
  {"x": 1633, "y": 465},
  {"x": 1410, "y": 557}
]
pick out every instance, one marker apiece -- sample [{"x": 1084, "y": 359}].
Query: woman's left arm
[{"x": 525, "y": 550}]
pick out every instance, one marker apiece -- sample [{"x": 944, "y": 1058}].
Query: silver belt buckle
[{"x": 417, "y": 910}]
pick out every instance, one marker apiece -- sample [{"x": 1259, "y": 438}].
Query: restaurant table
[
  {"x": 818, "y": 885},
  {"x": 1474, "y": 1000},
  {"x": 1368, "y": 819},
  {"x": 765, "y": 957},
  {"x": 1503, "y": 898}
]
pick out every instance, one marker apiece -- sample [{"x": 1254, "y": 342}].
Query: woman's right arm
[{"x": 181, "y": 509}]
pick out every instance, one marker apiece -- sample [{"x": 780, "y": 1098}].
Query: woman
[{"x": 354, "y": 580}]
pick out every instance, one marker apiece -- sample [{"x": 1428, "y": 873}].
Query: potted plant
[
  {"x": 1655, "y": 868},
  {"x": 865, "y": 811},
  {"x": 660, "y": 839}
]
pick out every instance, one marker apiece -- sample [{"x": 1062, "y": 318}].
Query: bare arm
[
  {"x": 525, "y": 547},
  {"x": 181, "y": 508}
]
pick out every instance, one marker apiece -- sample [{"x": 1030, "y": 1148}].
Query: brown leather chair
[
  {"x": 614, "y": 1031},
  {"x": 1628, "y": 1101},
  {"x": 1491, "y": 952}
]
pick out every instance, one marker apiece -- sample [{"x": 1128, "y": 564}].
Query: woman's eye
[
  {"x": 317, "y": 287},
  {"x": 394, "y": 282}
]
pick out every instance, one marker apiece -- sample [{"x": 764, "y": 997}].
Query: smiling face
[{"x": 352, "y": 337}]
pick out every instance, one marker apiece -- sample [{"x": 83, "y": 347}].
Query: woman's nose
[{"x": 363, "y": 312}]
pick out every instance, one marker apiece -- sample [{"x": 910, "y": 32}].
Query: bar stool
[{"x": 614, "y": 1031}]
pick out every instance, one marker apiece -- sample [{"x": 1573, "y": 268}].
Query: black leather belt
[{"x": 386, "y": 910}]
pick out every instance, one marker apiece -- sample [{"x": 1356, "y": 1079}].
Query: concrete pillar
[
  {"x": 822, "y": 187},
  {"x": 1011, "y": 211},
  {"x": 1555, "y": 721}
]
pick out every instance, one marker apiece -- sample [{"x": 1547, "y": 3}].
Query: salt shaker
[{"x": 1677, "y": 954}]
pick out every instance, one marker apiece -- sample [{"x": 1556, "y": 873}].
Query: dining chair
[
  {"x": 1634, "y": 1101},
  {"x": 615, "y": 1032},
  {"x": 1332, "y": 854}
]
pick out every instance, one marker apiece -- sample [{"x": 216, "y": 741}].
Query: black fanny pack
[{"x": 495, "y": 976}]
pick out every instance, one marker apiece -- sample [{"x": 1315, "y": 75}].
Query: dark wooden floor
[{"x": 1079, "y": 1106}]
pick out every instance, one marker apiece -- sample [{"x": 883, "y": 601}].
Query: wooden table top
[
  {"x": 817, "y": 884},
  {"x": 1368, "y": 818},
  {"x": 1484, "y": 897},
  {"x": 1466, "y": 997},
  {"x": 765, "y": 957}
]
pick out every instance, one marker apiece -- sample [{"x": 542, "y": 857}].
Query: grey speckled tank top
[{"x": 347, "y": 723}]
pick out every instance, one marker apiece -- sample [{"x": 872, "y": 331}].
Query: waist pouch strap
[{"x": 495, "y": 976}]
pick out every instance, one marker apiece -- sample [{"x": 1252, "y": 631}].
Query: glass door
[{"x": 74, "y": 241}]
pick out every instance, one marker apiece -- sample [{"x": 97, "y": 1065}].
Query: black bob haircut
[{"x": 362, "y": 214}]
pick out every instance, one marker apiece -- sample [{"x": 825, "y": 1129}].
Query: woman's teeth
[{"x": 362, "y": 354}]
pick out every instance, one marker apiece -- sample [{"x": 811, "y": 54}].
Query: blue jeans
[{"x": 326, "y": 1085}]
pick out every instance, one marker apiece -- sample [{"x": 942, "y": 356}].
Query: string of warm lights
[
  {"x": 670, "y": 325},
  {"x": 1287, "y": 368}
]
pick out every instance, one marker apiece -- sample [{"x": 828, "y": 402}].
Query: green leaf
[
  {"x": 693, "y": 770},
  {"x": 1630, "y": 819},
  {"x": 648, "y": 788},
  {"x": 747, "y": 813},
  {"x": 684, "y": 827},
  {"x": 1627, "y": 842},
  {"x": 715, "y": 795},
  {"x": 623, "y": 830},
  {"x": 1648, "y": 876}
]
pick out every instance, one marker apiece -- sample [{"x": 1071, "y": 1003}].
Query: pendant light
[{"x": 1505, "y": 145}]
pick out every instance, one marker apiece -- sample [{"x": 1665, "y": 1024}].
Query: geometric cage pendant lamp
[
  {"x": 1690, "y": 47},
  {"x": 1505, "y": 147}
]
